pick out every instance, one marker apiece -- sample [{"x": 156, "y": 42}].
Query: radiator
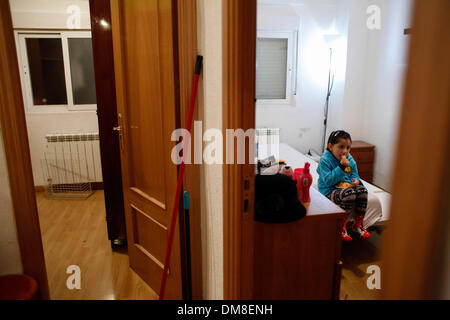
[
  {"x": 71, "y": 164},
  {"x": 267, "y": 142}
]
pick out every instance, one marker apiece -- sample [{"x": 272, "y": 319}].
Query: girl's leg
[
  {"x": 344, "y": 198},
  {"x": 361, "y": 200},
  {"x": 360, "y": 211}
]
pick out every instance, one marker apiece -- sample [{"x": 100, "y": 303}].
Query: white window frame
[
  {"x": 290, "y": 67},
  {"x": 27, "y": 91}
]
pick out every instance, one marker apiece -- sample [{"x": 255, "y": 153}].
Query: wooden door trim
[
  {"x": 418, "y": 214},
  {"x": 239, "y": 56},
  {"x": 17, "y": 153}
]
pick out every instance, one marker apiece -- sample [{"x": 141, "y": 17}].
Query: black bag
[{"x": 276, "y": 199}]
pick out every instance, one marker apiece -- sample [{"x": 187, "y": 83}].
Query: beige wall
[
  {"x": 49, "y": 14},
  {"x": 44, "y": 14},
  {"x": 210, "y": 107},
  {"x": 10, "y": 261}
]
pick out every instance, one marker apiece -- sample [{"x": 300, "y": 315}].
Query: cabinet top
[{"x": 358, "y": 144}]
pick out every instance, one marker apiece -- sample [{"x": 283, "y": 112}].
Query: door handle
[{"x": 119, "y": 129}]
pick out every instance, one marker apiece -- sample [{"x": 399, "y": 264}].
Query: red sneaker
[
  {"x": 359, "y": 229},
  {"x": 345, "y": 236}
]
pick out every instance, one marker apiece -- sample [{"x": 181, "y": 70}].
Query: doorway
[
  {"x": 57, "y": 74},
  {"x": 125, "y": 284},
  {"x": 312, "y": 62},
  {"x": 297, "y": 39}
]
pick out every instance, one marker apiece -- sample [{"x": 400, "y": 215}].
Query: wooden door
[
  {"x": 145, "y": 76},
  {"x": 415, "y": 243},
  {"x": 107, "y": 118}
]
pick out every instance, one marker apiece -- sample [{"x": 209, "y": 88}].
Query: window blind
[{"x": 271, "y": 68}]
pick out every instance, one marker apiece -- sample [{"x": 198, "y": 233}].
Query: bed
[{"x": 378, "y": 200}]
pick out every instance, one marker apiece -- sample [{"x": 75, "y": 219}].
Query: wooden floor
[
  {"x": 74, "y": 233},
  {"x": 356, "y": 257}
]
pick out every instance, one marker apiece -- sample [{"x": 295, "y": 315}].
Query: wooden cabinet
[
  {"x": 302, "y": 259},
  {"x": 364, "y": 155}
]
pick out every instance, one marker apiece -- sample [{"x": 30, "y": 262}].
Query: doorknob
[{"x": 119, "y": 129}]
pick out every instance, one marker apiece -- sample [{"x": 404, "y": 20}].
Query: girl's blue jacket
[{"x": 331, "y": 173}]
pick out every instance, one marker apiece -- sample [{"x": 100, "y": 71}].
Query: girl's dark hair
[{"x": 335, "y": 136}]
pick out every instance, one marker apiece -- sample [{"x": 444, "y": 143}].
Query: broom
[{"x": 198, "y": 68}]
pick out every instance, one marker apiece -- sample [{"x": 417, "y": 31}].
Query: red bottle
[
  {"x": 297, "y": 174},
  {"x": 304, "y": 183}
]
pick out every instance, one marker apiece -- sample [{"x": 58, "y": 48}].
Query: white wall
[
  {"x": 209, "y": 20},
  {"x": 48, "y": 14},
  {"x": 302, "y": 122},
  {"x": 41, "y": 124},
  {"x": 10, "y": 260},
  {"x": 376, "y": 65},
  {"x": 374, "y": 79},
  {"x": 350, "y": 116},
  {"x": 386, "y": 64}
]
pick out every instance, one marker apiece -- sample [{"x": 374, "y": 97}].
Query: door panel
[
  {"x": 107, "y": 118},
  {"x": 144, "y": 62},
  {"x": 149, "y": 233}
]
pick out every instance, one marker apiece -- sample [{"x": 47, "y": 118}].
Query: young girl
[{"x": 340, "y": 182}]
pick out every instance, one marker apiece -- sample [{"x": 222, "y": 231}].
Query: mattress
[{"x": 378, "y": 200}]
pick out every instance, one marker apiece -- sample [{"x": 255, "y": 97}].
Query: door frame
[
  {"x": 407, "y": 216},
  {"x": 15, "y": 138},
  {"x": 238, "y": 111},
  {"x": 17, "y": 153}
]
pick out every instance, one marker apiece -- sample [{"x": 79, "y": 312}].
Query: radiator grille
[
  {"x": 71, "y": 164},
  {"x": 267, "y": 142}
]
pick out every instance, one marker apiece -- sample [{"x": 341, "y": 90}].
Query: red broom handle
[{"x": 176, "y": 203}]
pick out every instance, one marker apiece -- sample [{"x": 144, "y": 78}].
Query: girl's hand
[
  {"x": 355, "y": 182},
  {"x": 344, "y": 161}
]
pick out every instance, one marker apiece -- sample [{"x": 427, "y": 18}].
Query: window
[
  {"x": 57, "y": 71},
  {"x": 274, "y": 67}
]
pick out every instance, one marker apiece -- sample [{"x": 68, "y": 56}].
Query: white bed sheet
[{"x": 378, "y": 200}]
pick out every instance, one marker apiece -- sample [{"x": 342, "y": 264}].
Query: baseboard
[
  {"x": 94, "y": 185},
  {"x": 39, "y": 188},
  {"x": 97, "y": 186}
]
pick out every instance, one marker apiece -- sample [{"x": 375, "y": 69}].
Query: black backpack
[{"x": 276, "y": 199}]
